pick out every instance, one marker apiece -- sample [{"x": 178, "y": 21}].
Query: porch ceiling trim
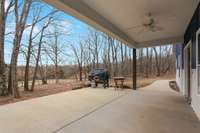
[
  {"x": 83, "y": 12},
  {"x": 103, "y": 17},
  {"x": 164, "y": 41}
]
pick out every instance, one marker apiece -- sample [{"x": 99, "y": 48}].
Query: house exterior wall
[
  {"x": 179, "y": 67},
  {"x": 190, "y": 36}
]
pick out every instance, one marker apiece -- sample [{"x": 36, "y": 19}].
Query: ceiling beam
[
  {"x": 83, "y": 12},
  {"x": 159, "y": 42}
]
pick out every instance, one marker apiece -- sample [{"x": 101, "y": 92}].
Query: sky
[{"x": 73, "y": 26}]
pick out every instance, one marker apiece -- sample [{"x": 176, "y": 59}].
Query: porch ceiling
[{"x": 116, "y": 17}]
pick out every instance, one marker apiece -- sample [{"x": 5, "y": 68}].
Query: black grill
[{"x": 99, "y": 76}]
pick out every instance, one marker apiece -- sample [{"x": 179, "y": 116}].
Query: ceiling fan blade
[
  {"x": 157, "y": 28},
  {"x": 134, "y": 27},
  {"x": 140, "y": 32}
]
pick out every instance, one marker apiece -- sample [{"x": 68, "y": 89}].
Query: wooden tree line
[
  {"x": 98, "y": 50},
  {"x": 156, "y": 61}
]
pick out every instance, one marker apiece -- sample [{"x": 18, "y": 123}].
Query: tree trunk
[
  {"x": 113, "y": 57},
  {"x": 116, "y": 61},
  {"x": 43, "y": 73},
  {"x": 3, "y": 87},
  {"x": 108, "y": 55},
  {"x": 19, "y": 29},
  {"x": 122, "y": 59},
  {"x": 141, "y": 62},
  {"x": 26, "y": 74},
  {"x": 56, "y": 59},
  {"x": 56, "y": 73},
  {"x": 150, "y": 61},
  {"x": 80, "y": 73},
  {"x": 38, "y": 56},
  {"x": 13, "y": 82},
  {"x": 147, "y": 62},
  {"x": 37, "y": 62},
  {"x": 157, "y": 62}
]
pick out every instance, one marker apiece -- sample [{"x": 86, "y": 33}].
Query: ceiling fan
[{"x": 149, "y": 24}]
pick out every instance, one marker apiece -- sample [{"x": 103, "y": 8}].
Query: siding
[{"x": 190, "y": 34}]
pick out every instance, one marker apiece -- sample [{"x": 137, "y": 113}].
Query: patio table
[{"x": 119, "y": 82}]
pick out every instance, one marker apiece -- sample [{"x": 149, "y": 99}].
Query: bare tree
[
  {"x": 122, "y": 58},
  {"x": 43, "y": 72},
  {"x": 95, "y": 39},
  {"x": 26, "y": 76},
  {"x": 147, "y": 62},
  {"x": 55, "y": 50},
  {"x": 36, "y": 19},
  {"x": 78, "y": 52},
  {"x": 19, "y": 29},
  {"x": 39, "y": 52},
  {"x": 114, "y": 47},
  {"x": 150, "y": 61},
  {"x": 157, "y": 62},
  {"x": 3, "y": 17}
]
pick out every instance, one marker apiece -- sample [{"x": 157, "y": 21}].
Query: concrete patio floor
[
  {"x": 49, "y": 113},
  {"x": 153, "y": 109}
]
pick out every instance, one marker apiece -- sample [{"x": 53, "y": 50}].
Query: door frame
[
  {"x": 197, "y": 62},
  {"x": 187, "y": 76}
]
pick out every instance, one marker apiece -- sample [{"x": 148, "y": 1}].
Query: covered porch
[
  {"x": 136, "y": 23},
  {"x": 153, "y": 109}
]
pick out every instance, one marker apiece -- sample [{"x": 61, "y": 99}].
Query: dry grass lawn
[{"x": 68, "y": 85}]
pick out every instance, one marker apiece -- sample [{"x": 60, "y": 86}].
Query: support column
[{"x": 134, "y": 69}]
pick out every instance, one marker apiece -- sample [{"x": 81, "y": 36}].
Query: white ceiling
[{"x": 172, "y": 16}]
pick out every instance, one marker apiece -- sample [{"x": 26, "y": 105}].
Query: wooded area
[
  {"x": 101, "y": 51},
  {"x": 39, "y": 37}
]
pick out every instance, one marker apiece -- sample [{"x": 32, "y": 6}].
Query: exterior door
[
  {"x": 198, "y": 60},
  {"x": 187, "y": 68},
  {"x": 189, "y": 64}
]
